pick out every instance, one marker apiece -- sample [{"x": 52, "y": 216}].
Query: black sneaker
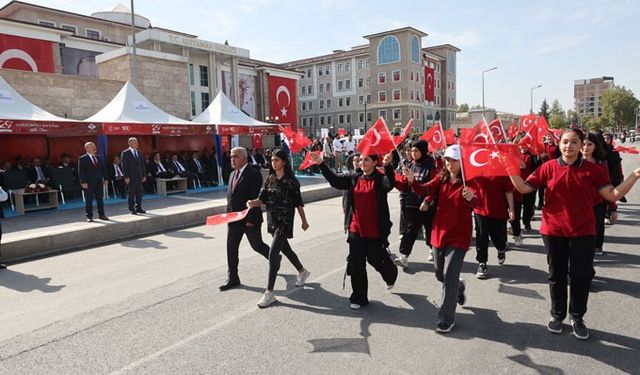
[
  {"x": 527, "y": 229},
  {"x": 445, "y": 327},
  {"x": 462, "y": 296},
  {"x": 3, "y": 266},
  {"x": 482, "y": 271},
  {"x": 580, "y": 330},
  {"x": 502, "y": 256},
  {"x": 554, "y": 325}
]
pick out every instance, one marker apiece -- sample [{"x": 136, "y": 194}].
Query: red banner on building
[
  {"x": 155, "y": 129},
  {"x": 283, "y": 100},
  {"x": 26, "y": 54},
  {"x": 48, "y": 128},
  {"x": 429, "y": 84}
]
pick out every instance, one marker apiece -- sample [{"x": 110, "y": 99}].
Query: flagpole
[
  {"x": 489, "y": 129},
  {"x": 464, "y": 183}
]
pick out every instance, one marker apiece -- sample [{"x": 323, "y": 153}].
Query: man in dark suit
[
  {"x": 178, "y": 167},
  {"x": 91, "y": 173},
  {"x": 38, "y": 172},
  {"x": 115, "y": 174},
  {"x": 3, "y": 197},
  {"x": 244, "y": 184},
  {"x": 135, "y": 174}
]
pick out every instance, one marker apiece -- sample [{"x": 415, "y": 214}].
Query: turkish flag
[
  {"x": 489, "y": 159},
  {"x": 227, "y": 218},
  {"x": 628, "y": 150},
  {"x": 527, "y": 121},
  {"x": 556, "y": 133},
  {"x": 429, "y": 84},
  {"x": 377, "y": 140},
  {"x": 512, "y": 130},
  {"x": 533, "y": 141},
  {"x": 296, "y": 140},
  {"x": 478, "y": 134},
  {"x": 543, "y": 126},
  {"x": 405, "y": 133},
  {"x": 435, "y": 137},
  {"x": 497, "y": 131},
  {"x": 28, "y": 54},
  {"x": 449, "y": 137},
  {"x": 307, "y": 162},
  {"x": 256, "y": 140},
  {"x": 283, "y": 100}
]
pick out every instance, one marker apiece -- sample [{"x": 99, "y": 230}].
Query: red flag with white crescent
[
  {"x": 405, "y": 133},
  {"x": 435, "y": 137},
  {"x": 480, "y": 133},
  {"x": 307, "y": 162},
  {"x": 497, "y": 130},
  {"x": 512, "y": 130},
  {"x": 527, "y": 121},
  {"x": 283, "y": 100},
  {"x": 429, "y": 84},
  {"x": 489, "y": 159},
  {"x": 229, "y": 217},
  {"x": 449, "y": 137},
  {"x": 377, "y": 140},
  {"x": 296, "y": 140},
  {"x": 628, "y": 150}
]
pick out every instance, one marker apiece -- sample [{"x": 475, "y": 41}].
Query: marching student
[
  {"x": 281, "y": 194},
  {"x": 568, "y": 225},
  {"x": 451, "y": 232},
  {"x": 368, "y": 222}
]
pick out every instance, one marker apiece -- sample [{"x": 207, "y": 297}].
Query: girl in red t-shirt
[{"x": 568, "y": 225}]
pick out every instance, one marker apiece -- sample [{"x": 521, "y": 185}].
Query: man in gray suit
[{"x": 134, "y": 170}]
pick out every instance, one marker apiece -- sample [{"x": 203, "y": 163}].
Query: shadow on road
[{"x": 26, "y": 283}]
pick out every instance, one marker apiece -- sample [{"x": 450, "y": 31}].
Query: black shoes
[
  {"x": 229, "y": 284},
  {"x": 554, "y": 326},
  {"x": 3, "y": 266},
  {"x": 580, "y": 330},
  {"x": 443, "y": 327},
  {"x": 141, "y": 211}
]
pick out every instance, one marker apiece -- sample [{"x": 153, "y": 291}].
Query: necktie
[
  {"x": 161, "y": 167},
  {"x": 135, "y": 153},
  {"x": 95, "y": 162},
  {"x": 118, "y": 171},
  {"x": 236, "y": 177},
  {"x": 39, "y": 174},
  {"x": 199, "y": 165}
]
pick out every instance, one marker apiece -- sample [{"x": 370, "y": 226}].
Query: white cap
[{"x": 452, "y": 152}]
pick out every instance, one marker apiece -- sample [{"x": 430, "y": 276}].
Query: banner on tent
[
  {"x": 156, "y": 129},
  {"x": 49, "y": 128},
  {"x": 239, "y": 130}
]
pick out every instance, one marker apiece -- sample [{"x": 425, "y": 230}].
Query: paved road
[{"x": 152, "y": 306}]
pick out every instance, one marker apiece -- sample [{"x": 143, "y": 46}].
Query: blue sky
[{"x": 532, "y": 42}]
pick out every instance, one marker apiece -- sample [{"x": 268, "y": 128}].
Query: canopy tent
[{"x": 229, "y": 120}]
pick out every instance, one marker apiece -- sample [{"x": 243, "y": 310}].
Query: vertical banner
[
  {"x": 429, "y": 84},
  {"x": 283, "y": 100},
  {"x": 256, "y": 141},
  {"x": 28, "y": 54}
]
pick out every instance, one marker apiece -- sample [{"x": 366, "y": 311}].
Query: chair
[
  {"x": 66, "y": 182},
  {"x": 15, "y": 181}
]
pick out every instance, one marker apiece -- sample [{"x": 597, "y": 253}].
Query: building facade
[
  {"x": 385, "y": 78},
  {"x": 587, "y": 94}
]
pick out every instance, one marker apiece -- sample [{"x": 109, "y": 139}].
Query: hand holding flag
[
  {"x": 377, "y": 140},
  {"x": 405, "y": 133},
  {"x": 485, "y": 159},
  {"x": 309, "y": 160},
  {"x": 229, "y": 217}
]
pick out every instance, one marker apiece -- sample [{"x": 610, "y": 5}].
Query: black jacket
[
  {"x": 132, "y": 167},
  {"x": 88, "y": 173},
  {"x": 384, "y": 184},
  {"x": 248, "y": 188}
]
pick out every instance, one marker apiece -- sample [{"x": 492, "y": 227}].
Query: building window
[
  {"x": 382, "y": 113},
  {"x": 204, "y": 100},
  {"x": 396, "y": 75},
  {"x": 204, "y": 76},
  {"x": 328, "y": 86},
  {"x": 191, "y": 78},
  {"x": 340, "y": 102},
  {"x": 418, "y": 114},
  {"x": 71, "y": 28},
  {"x": 304, "y": 90},
  {"x": 361, "y": 100},
  {"x": 310, "y": 106},
  {"x": 396, "y": 95},
  {"x": 412, "y": 75},
  {"x": 360, "y": 82},
  {"x": 321, "y": 120},
  {"x": 321, "y": 87},
  {"x": 415, "y": 50},
  {"x": 340, "y": 68},
  {"x": 382, "y": 77},
  {"x": 327, "y": 69},
  {"x": 304, "y": 106},
  {"x": 368, "y": 116},
  {"x": 366, "y": 63},
  {"x": 328, "y": 103},
  {"x": 418, "y": 95},
  {"x": 347, "y": 66},
  {"x": 193, "y": 103},
  {"x": 368, "y": 98},
  {"x": 304, "y": 121},
  {"x": 321, "y": 104},
  {"x": 46, "y": 23},
  {"x": 347, "y": 84},
  {"x": 452, "y": 86},
  {"x": 396, "y": 113},
  {"x": 348, "y": 119},
  {"x": 348, "y": 101},
  {"x": 310, "y": 89},
  {"x": 382, "y": 96},
  {"x": 309, "y": 73},
  {"x": 389, "y": 50},
  {"x": 412, "y": 112},
  {"x": 310, "y": 121},
  {"x": 92, "y": 34},
  {"x": 412, "y": 97},
  {"x": 367, "y": 81},
  {"x": 361, "y": 117},
  {"x": 320, "y": 71},
  {"x": 339, "y": 85},
  {"x": 328, "y": 120},
  {"x": 360, "y": 64},
  {"x": 341, "y": 119}
]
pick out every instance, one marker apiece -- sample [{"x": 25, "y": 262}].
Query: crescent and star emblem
[
  {"x": 20, "y": 55},
  {"x": 283, "y": 89},
  {"x": 474, "y": 154},
  {"x": 481, "y": 136},
  {"x": 437, "y": 137},
  {"x": 377, "y": 138}
]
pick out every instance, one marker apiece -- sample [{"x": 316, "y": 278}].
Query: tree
[
  {"x": 592, "y": 123},
  {"x": 556, "y": 108},
  {"x": 618, "y": 105},
  {"x": 572, "y": 117},
  {"x": 464, "y": 107},
  {"x": 557, "y": 120},
  {"x": 544, "y": 110}
]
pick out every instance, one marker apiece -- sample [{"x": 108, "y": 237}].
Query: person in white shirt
[
  {"x": 349, "y": 145},
  {"x": 338, "y": 148}
]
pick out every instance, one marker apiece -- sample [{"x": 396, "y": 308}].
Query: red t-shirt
[
  {"x": 452, "y": 225},
  {"x": 493, "y": 202},
  {"x": 364, "y": 220},
  {"x": 568, "y": 202}
]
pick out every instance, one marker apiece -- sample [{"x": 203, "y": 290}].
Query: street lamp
[
  {"x": 483, "y": 72},
  {"x": 533, "y": 88}
]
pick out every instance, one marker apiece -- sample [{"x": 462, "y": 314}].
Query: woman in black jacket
[{"x": 368, "y": 222}]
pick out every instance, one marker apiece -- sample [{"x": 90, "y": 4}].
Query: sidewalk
[{"x": 48, "y": 232}]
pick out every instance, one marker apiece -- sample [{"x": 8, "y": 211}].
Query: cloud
[
  {"x": 558, "y": 42},
  {"x": 463, "y": 39},
  {"x": 219, "y": 25}
]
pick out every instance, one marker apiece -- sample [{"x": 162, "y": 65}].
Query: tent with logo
[
  {"x": 130, "y": 113},
  {"x": 30, "y": 131}
]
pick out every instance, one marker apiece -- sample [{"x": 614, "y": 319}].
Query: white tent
[
  {"x": 231, "y": 120},
  {"x": 14, "y": 106},
  {"x": 130, "y": 106}
]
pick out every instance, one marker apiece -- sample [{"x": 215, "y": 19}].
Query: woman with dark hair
[
  {"x": 593, "y": 150},
  {"x": 568, "y": 225},
  {"x": 368, "y": 221},
  {"x": 281, "y": 194},
  {"x": 423, "y": 167}
]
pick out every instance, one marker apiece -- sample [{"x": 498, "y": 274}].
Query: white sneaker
[
  {"x": 519, "y": 240},
  {"x": 267, "y": 299},
  {"x": 390, "y": 286},
  {"x": 302, "y": 278},
  {"x": 355, "y": 306},
  {"x": 401, "y": 261},
  {"x": 430, "y": 259},
  {"x": 607, "y": 221}
]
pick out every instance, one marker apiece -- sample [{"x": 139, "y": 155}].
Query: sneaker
[
  {"x": 527, "y": 229},
  {"x": 502, "y": 256},
  {"x": 302, "y": 278},
  {"x": 580, "y": 330},
  {"x": 355, "y": 306},
  {"x": 518, "y": 240},
  {"x": 510, "y": 231},
  {"x": 462, "y": 295},
  {"x": 430, "y": 258},
  {"x": 401, "y": 261},
  {"x": 390, "y": 286},
  {"x": 267, "y": 299},
  {"x": 607, "y": 221},
  {"x": 554, "y": 325},
  {"x": 482, "y": 271},
  {"x": 599, "y": 251},
  {"x": 443, "y": 327}
]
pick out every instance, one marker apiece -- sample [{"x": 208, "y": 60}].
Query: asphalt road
[{"x": 152, "y": 306}]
